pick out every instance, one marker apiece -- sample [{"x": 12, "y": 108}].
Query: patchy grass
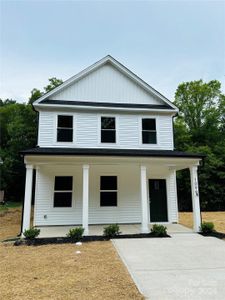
[
  {"x": 57, "y": 272},
  {"x": 217, "y": 217}
]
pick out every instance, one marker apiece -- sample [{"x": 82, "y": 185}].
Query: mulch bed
[
  {"x": 219, "y": 235},
  {"x": 93, "y": 238}
]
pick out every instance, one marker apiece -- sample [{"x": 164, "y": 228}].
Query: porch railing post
[
  {"x": 144, "y": 200},
  {"x": 195, "y": 198},
  {"x": 85, "y": 198},
  {"x": 27, "y": 198}
]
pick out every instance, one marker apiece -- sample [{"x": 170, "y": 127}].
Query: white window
[
  {"x": 64, "y": 128},
  {"x": 63, "y": 191},
  {"x": 108, "y": 191},
  {"x": 108, "y": 130},
  {"x": 149, "y": 131}
]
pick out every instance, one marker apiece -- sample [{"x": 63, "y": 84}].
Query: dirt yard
[
  {"x": 57, "y": 271},
  {"x": 10, "y": 220},
  {"x": 218, "y": 218}
]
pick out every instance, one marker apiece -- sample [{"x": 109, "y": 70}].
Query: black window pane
[
  {"x": 148, "y": 137},
  {"x": 108, "y": 136},
  {"x": 63, "y": 183},
  {"x": 62, "y": 199},
  {"x": 108, "y": 123},
  {"x": 65, "y": 121},
  {"x": 108, "y": 183},
  {"x": 64, "y": 135},
  {"x": 108, "y": 198},
  {"x": 148, "y": 124}
]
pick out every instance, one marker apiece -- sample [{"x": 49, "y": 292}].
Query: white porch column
[
  {"x": 27, "y": 198},
  {"x": 144, "y": 200},
  {"x": 195, "y": 198},
  {"x": 85, "y": 197}
]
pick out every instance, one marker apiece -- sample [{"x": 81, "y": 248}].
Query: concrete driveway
[{"x": 186, "y": 266}]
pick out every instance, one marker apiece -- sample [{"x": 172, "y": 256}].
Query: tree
[
  {"x": 18, "y": 132},
  {"x": 36, "y": 93},
  {"x": 200, "y": 128}
]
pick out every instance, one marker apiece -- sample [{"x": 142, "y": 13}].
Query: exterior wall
[
  {"x": 87, "y": 130},
  {"x": 106, "y": 84},
  {"x": 128, "y": 209}
]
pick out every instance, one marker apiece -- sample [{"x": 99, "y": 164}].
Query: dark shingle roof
[
  {"x": 105, "y": 104},
  {"x": 110, "y": 152}
]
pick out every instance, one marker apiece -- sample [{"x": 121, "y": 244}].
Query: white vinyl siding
[
  {"x": 128, "y": 209},
  {"x": 87, "y": 131},
  {"x": 107, "y": 84}
]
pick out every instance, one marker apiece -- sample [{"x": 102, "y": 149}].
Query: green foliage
[
  {"x": 159, "y": 230},
  {"x": 111, "y": 230},
  {"x": 76, "y": 233},
  {"x": 36, "y": 93},
  {"x": 18, "y": 132},
  {"x": 200, "y": 128},
  {"x": 31, "y": 233},
  {"x": 207, "y": 227}
]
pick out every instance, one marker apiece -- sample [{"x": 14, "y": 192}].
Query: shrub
[
  {"x": 31, "y": 233},
  {"x": 159, "y": 230},
  {"x": 207, "y": 227},
  {"x": 111, "y": 230},
  {"x": 76, "y": 233}
]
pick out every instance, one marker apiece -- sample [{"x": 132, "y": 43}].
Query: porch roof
[{"x": 110, "y": 152}]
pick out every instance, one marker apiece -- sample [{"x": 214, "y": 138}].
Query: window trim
[
  {"x": 61, "y": 191},
  {"x": 117, "y": 191},
  {"x": 56, "y": 129},
  {"x": 100, "y": 130},
  {"x": 141, "y": 130}
]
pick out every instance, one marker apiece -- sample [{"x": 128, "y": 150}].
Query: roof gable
[{"x": 106, "y": 81}]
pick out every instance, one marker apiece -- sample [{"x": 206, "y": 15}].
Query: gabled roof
[{"x": 119, "y": 67}]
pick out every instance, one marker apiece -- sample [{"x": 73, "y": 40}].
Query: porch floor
[{"x": 61, "y": 231}]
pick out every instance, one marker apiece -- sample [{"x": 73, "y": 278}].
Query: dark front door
[{"x": 158, "y": 200}]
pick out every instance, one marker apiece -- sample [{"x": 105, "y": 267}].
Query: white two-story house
[{"x": 105, "y": 153}]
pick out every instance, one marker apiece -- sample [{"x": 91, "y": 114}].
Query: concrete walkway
[{"x": 186, "y": 266}]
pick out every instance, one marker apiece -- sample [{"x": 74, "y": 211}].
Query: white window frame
[
  {"x": 58, "y": 143},
  {"x": 117, "y": 191},
  {"x": 100, "y": 130},
  {"x": 60, "y": 191},
  {"x": 140, "y": 132}
]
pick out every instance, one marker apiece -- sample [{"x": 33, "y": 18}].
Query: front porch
[
  {"x": 133, "y": 205},
  {"x": 97, "y": 230}
]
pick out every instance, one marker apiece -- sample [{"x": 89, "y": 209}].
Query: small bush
[
  {"x": 159, "y": 230},
  {"x": 31, "y": 233},
  {"x": 111, "y": 230},
  {"x": 76, "y": 233},
  {"x": 207, "y": 227}
]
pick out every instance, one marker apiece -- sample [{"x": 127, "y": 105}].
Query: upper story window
[
  {"x": 63, "y": 191},
  {"x": 108, "y": 130},
  {"x": 149, "y": 131},
  {"x": 64, "y": 128}
]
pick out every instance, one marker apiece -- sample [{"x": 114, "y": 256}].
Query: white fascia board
[
  {"x": 39, "y": 107},
  {"x": 117, "y": 65}
]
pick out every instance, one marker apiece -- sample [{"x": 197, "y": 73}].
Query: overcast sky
[{"x": 164, "y": 42}]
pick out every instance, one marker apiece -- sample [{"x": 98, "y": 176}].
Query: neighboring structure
[{"x": 106, "y": 153}]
